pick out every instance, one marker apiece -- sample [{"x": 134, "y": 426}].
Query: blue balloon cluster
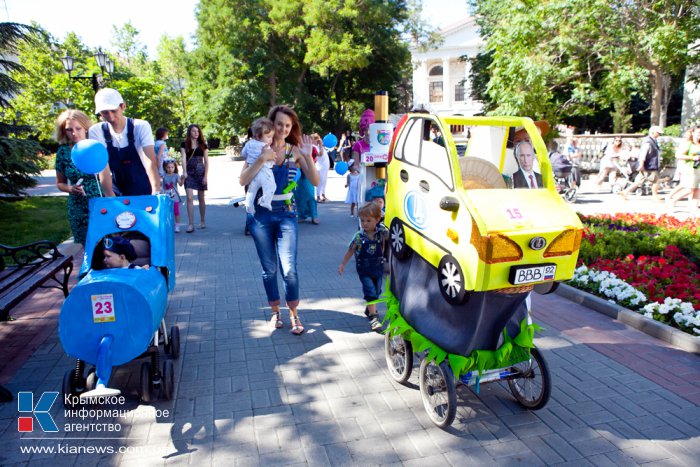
[
  {"x": 89, "y": 156},
  {"x": 330, "y": 141},
  {"x": 341, "y": 167}
]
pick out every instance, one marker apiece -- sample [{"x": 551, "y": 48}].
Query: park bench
[{"x": 23, "y": 269}]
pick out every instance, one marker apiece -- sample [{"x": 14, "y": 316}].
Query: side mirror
[{"x": 449, "y": 203}]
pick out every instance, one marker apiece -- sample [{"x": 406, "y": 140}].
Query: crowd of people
[
  {"x": 137, "y": 164},
  {"x": 285, "y": 173}
]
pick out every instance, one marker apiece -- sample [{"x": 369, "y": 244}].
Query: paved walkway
[{"x": 248, "y": 395}]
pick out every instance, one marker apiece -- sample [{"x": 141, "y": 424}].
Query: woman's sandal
[
  {"x": 276, "y": 321},
  {"x": 297, "y": 328},
  {"x": 190, "y": 228}
]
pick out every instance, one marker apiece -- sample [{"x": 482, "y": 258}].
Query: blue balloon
[
  {"x": 89, "y": 156},
  {"x": 330, "y": 140},
  {"x": 341, "y": 167}
]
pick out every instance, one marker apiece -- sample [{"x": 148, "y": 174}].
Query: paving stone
[
  {"x": 249, "y": 395},
  {"x": 562, "y": 447}
]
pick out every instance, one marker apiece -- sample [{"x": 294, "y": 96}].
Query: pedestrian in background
[
  {"x": 610, "y": 162},
  {"x": 688, "y": 157},
  {"x": 194, "y": 155},
  {"x": 649, "y": 158},
  {"x": 161, "y": 148},
  {"x": 323, "y": 165},
  {"x": 352, "y": 183},
  {"x": 72, "y": 126}
]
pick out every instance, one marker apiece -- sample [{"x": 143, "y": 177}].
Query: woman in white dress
[{"x": 323, "y": 164}]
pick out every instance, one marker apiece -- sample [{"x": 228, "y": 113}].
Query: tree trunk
[
  {"x": 660, "y": 96},
  {"x": 272, "y": 84}
]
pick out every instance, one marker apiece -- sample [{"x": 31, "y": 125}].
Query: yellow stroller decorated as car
[{"x": 468, "y": 245}]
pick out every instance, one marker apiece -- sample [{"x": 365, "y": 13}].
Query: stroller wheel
[
  {"x": 399, "y": 357},
  {"x": 146, "y": 382},
  {"x": 174, "y": 343},
  {"x": 639, "y": 191},
  {"x": 91, "y": 380},
  {"x": 167, "y": 386},
  {"x": 616, "y": 188},
  {"x": 68, "y": 389},
  {"x": 533, "y": 384},
  {"x": 570, "y": 195},
  {"x": 437, "y": 389}
]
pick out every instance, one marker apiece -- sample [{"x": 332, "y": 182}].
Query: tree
[
  {"x": 326, "y": 58},
  {"x": 129, "y": 48},
  {"x": 12, "y": 37},
  {"x": 173, "y": 60},
  {"x": 572, "y": 57},
  {"x": 47, "y": 89},
  {"x": 18, "y": 157}
]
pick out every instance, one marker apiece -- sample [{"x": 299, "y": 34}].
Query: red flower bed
[{"x": 658, "y": 277}]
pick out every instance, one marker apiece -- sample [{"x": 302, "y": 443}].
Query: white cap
[
  {"x": 656, "y": 129},
  {"x": 107, "y": 99}
]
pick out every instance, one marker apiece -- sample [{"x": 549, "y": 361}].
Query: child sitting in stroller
[{"x": 119, "y": 254}]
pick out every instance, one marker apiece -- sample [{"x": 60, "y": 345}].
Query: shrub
[{"x": 19, "y": 159}]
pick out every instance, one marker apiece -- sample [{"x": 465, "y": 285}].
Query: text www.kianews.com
[{"x": 67, "y": 448}]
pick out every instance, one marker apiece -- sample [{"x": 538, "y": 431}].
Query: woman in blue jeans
[{"x": 275, "y": 231}]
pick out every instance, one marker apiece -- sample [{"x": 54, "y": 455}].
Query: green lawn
[
  {"x": 27, "y": 220},
  {"x": 217, "y": 152}
]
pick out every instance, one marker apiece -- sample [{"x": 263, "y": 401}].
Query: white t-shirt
[{"x": 143, "y": 137}]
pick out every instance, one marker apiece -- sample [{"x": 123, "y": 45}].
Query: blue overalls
[
  {"x": 369, "y": 260},
  {"x": 129, "y": 176}
]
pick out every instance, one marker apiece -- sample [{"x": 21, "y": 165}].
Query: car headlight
[
  {"x": 565, "y": 243},
  {"x": 494, "y": 248}
]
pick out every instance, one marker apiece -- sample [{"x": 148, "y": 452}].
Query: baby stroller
[
  {"x": 627, "y": 175},
  {"x": 563, "y": 177},
  {"x": 113, "y": 316}
]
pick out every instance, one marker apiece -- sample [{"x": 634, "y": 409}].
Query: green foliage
[
  {"x": 27, "y": 220},
  {"x": 12, "y": 37},
  {"x": 555, "y": 58},
  {"x": 324, "y": 57},
  {"x": 667, "y": 153},
  {"x": 673, "y": 130},
  {"x": 617, "y": 240},
  {"x": 18, "y": 162}
]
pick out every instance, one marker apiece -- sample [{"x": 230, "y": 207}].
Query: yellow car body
[{"x": 480, "y": 237}]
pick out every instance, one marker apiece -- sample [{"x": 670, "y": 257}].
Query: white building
[{"x": 440, "y": 79}]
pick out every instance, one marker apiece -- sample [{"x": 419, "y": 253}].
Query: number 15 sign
[{"x": 103, "y": 308}]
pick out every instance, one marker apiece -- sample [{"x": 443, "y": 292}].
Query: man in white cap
[
  {"x": 649, "y": 157},
  {"x": 129, "y": 143}
]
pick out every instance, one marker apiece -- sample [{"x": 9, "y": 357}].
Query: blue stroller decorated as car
[{"x": 113, "y": 316}]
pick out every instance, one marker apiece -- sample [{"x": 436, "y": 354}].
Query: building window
[
  {"x": 435, "y": 71},
  {"x": 459, "y": 92},
  {"x": 435, "y": 89}
]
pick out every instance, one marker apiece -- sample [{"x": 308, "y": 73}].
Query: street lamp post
[{"x": 103, "y": 62}]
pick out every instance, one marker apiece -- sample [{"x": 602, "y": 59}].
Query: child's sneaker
[
  {"x": 177, "y": 228},
  {"x": 374, "y": 323}
]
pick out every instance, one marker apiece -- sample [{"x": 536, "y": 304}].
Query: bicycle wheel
[
  {"x": 437, "y": 389},
  {"x": 399, "y": 357},
  {"x": 533, "y": 386}
]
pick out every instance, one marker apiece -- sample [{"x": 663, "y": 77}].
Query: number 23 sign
[{"x": 103, "y": 308}]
